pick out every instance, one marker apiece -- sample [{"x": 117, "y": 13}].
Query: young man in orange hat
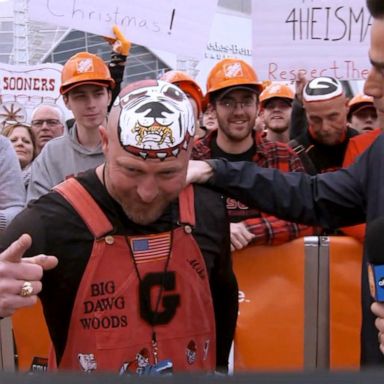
[
  {"x": 275, "y": 110},
  {"x": 233, "y": 90},
  {"x": 362, "y": 114},
  {"x": 87, "y": 87}
]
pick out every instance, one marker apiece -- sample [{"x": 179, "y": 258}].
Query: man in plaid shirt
[{"x": 233, "y": 90}]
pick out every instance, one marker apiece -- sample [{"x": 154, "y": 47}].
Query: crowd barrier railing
[{"x": 299, "y": 305}]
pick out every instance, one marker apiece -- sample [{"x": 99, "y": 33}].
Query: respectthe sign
[
  {"x": 23, "y": 87},
  {"x": 316, "y": 37},
  {"x": 179, "y": 26}
]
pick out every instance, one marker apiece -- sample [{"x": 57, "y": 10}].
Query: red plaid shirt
[{"x": 268, "y": 229}]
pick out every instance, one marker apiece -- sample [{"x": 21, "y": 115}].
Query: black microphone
[{"x": 374, "y": 245}]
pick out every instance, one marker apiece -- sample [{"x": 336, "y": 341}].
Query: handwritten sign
[
  {"x": 316, "y": 37},
  {"x": 26, "y": 86},
  {"x": 179, "y": 26}
]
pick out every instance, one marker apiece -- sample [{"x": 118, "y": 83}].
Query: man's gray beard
[{"x": 140, "y": 218}]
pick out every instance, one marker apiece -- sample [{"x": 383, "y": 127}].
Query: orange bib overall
[{"x": 144, "y": 303}]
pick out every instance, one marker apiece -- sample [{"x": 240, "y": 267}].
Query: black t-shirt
[
  {"x": 237, "y": 211},
  {"x": 218, "y": 153},
  {"x": 58, "y": 230}
]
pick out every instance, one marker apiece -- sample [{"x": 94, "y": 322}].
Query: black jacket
[{"x": 334, "y": 199}]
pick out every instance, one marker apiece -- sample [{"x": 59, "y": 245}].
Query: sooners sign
[{"x": 23, "y": 87}]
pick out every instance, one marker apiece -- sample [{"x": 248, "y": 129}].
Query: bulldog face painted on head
[{"x": 156, "y": 120}]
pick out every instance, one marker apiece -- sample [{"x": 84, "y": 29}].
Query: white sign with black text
[
  {"x": 179, "y": 26},
  {"x": 316, "y": 37}
]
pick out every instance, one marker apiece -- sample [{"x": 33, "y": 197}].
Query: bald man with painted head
[
  {"x": 144, "y": 263},
  {"x": 327, "y": 136}
]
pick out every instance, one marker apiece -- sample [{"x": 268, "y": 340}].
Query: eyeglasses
[
  {"x": 231, "y": 105},
  {"x": 50, "y": 122}
]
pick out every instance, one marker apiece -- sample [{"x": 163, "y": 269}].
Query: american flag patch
[{"x": 151, "y": 248}]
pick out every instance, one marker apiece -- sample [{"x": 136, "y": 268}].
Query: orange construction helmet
[
  {"x": 83, "y": 68},
  {"x": 276, "y": 90},
  {"x": 359, "y": 102},
  {"x": 231, "y": 72},
  {"x": 187, "y": 85},
  {"x": 266, "y": 83}
]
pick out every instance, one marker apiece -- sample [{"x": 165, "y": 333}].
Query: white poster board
[
  {"x": 23, "y": 87},
  {"x": 317, "y": 37},
  {"x": 230, "y": 36},
  {"x": 179, "y": 26}
]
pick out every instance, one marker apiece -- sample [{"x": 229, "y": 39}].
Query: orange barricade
[
  {"x": 299, "y": 305},
  {"x": 345, "y": 256},
  {"x": 270, "y": 326},
  {"x": 31, "y": 336}
]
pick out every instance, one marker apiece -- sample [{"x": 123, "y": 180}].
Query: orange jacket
[{"x": 356, "y": 146}]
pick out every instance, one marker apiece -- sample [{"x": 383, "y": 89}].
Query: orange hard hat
[
  {"x": 83, "y": 68},
  {"x": 266, "y": 83},
  {"x": 276, "y": 90},
  {"x": 231, "y": 72},
  {"x": 187, "y": 85},
  {"x": 358, "y": 102}
]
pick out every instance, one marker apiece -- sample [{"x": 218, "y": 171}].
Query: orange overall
[{"x": 144, "y": 303}]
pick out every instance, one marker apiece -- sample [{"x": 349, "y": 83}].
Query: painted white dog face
[
  {"x": 156, "y": 120},
  {"x": 87, "y": 362}
]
